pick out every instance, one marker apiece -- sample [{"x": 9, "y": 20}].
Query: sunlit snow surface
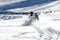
[{"x": 20, "y": 27}]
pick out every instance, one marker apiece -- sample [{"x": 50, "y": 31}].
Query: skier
[
  {"x": 29, "y": 20},
  {"x": 33, "y": 16},
  {"x": 36, "y": 16},
  {"x": 31, "y": 13}
]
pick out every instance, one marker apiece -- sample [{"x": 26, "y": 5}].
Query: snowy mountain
[{"x": 13, "y": 4}]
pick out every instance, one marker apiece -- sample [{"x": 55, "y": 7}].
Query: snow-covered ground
[{"x": 47, "y": 28}]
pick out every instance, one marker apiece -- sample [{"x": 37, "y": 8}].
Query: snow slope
[
  {"x": 45, "y": 19},
  {"x": 48, "y": 25}
]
